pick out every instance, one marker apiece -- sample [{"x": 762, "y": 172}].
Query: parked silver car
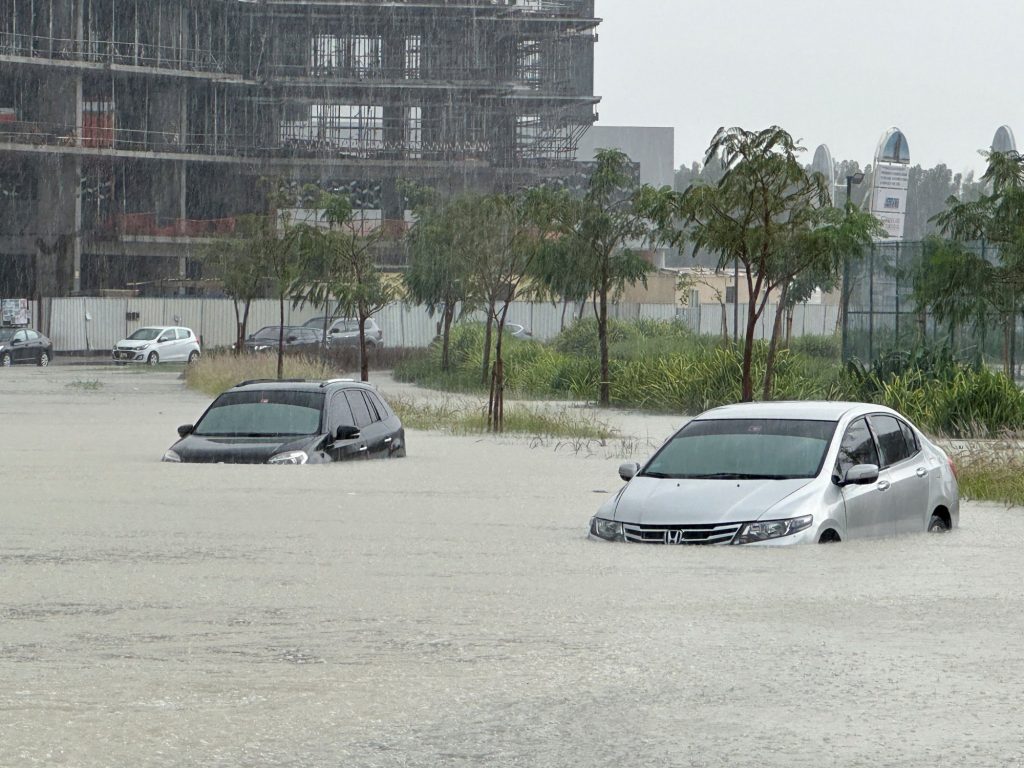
[
  {"x": 344, "y": 332},
  {"x": 158, "y": 344},
  {"x": 785, "y": 473}
]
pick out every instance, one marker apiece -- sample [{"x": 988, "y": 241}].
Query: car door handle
[
  {"x": 883, "y": 485},
  {"x": 363, "y": 448},
  {"x": 387, "y": 439},
  {"x": 921, "y": 471}
]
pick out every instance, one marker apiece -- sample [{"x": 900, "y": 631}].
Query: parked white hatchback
[
  {"x": 158, "y": 344},
  {"x": 785, "y": 473}
]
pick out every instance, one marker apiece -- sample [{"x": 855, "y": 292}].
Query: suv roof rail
[
  {"x": 334, "y": 381},
  {"x": 247, "y": 382}
]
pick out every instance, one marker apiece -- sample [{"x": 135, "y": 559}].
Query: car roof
[{"x": 809, "y": 410}]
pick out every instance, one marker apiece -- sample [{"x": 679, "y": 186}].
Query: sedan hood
[
  {"x": 237, "y": 450},
  {"x": 658, "y": 501}
]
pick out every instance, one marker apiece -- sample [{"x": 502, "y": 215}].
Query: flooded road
[{"x": 446, "y": 609}]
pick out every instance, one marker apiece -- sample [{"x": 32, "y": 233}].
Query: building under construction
[{"x": 134, "y": 131}]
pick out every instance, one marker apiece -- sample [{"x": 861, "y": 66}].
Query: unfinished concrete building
[{"x": 132, "y": 131}]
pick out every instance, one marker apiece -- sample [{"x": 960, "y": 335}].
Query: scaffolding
[{"x": 162, "y": 93}]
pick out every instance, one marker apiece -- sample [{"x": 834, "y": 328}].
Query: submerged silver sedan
[{"x": 785, "y": 473}]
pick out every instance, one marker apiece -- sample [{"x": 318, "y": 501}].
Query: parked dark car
[
  {"x": 344, "y": 332},
  {"x": 268, "y": 421},
  {"x": 23, "y": 345},
  {"x": 296, "y": 339}
]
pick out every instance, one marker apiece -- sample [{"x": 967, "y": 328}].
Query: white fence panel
[{"x": 404, "y": 326}]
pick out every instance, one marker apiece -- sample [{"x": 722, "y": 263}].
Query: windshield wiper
[
  {"x": 731, "y": 476},
  {"x": 658, "y": 475}
]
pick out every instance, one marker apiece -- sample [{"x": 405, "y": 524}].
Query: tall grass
[
  {"x": 215, "y": 372},
  {"x": 465, "y": 418}
]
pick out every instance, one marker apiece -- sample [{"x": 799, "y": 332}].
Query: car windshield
[
  {"x": 145, "y": 334},
  {"x": 263, "y": 413},
  {"x": 6, "y": 334},
  {"x": 316, "y": 322},
  {"x": 742, "y": 449}
]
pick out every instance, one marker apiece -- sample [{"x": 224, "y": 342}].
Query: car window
[
  {"x": 20, "y": 336},
  {"x": 183, "y": 333},
  {"x": 908, "y": 434},
  {"x": 360, "y": 410},
  {"x": 167, "y": 336},
  {"x": 377, "y": 404},
  {"x": 145, "y": 334},
  {"x": 31, "y": 335},
  {"x": 341, "y": 411},
  {"x": 857, "y": 447},
  {"x": 891, "y": 443}
]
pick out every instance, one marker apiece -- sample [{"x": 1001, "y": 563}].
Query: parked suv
[
  {"x": 158, "y": 344},
  {"x": 269, "y": 421},
  {"x": 344, "y": 332}
]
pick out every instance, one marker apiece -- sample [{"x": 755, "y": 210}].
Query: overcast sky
[{"x": 836, "y": 72}]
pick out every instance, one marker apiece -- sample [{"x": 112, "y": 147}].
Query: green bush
[{"x": 662, "y": 366}]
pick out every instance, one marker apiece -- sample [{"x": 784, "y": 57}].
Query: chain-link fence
[{"x": 884, "y": 314}]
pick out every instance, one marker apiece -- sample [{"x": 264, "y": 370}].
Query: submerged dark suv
[{"x": 270, "y": 421}]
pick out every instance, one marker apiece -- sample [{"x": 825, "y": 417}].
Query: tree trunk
[
  {"x": 604, "y": 398},
  {"x": 496, "y": 398},
  {"x": 280, "y": 341},
  {"x": 327, "y": 324},
  {"x": 565, "y": 306},
  {"x": 748, "y": 350},
  {"x": 239, "y": 340},
  {"x": 725, "y": 324},
  {"x": 364, "y": 363},
  {"x": 789, "y": 326},
  {"x": 487, "y": 343},
  {"x": 446, "y": 336},
  {"x": 245, "y": 325},
  {"x": 769, "y": 367}
]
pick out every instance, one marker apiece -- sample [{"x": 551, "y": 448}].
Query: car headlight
[
  {"x": 171, "y": 456},
  {"x": 609, "y": 530},
  {"x": 772, "y": 529},
  {"x": 289, "y": 457}
]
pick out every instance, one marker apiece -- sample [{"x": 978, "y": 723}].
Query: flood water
[{"x": 447, "y": 609}]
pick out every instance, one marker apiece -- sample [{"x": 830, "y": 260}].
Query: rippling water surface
[{"x": 446, "y": 609}]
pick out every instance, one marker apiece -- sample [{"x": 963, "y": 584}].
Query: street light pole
[{"x": 851, "y": 179}]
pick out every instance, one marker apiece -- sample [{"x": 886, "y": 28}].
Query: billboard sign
[{"x": 889, "y": 182}]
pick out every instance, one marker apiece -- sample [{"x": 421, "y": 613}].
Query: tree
[
  {"x": 995, "y": 218},
  {"x": 280, "y": 256},
  {"x": 814, "y": 258},
  {"x": 238, "y": 263},
  {"x": 508, "y": 234},
  {"x": 767, "y": 213},
  {"x": 595, "y": 233},
  {"x": 439, "y": 263},
  {"x": 340, "y": 266}
]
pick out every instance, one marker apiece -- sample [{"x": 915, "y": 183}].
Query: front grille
[{"x": 681, "y": 534}]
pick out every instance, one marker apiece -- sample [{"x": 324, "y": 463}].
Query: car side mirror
[
  {"x": 185, "y": 429},
  {"x": 335, "y": 330},
  {"x": 15, "y": 342},
  {"x": 628, "y": 470},
  {"x": 290, "y": 339},
  {"x": 346, "y": 432},
  {"x": 861, "y": 474}
]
